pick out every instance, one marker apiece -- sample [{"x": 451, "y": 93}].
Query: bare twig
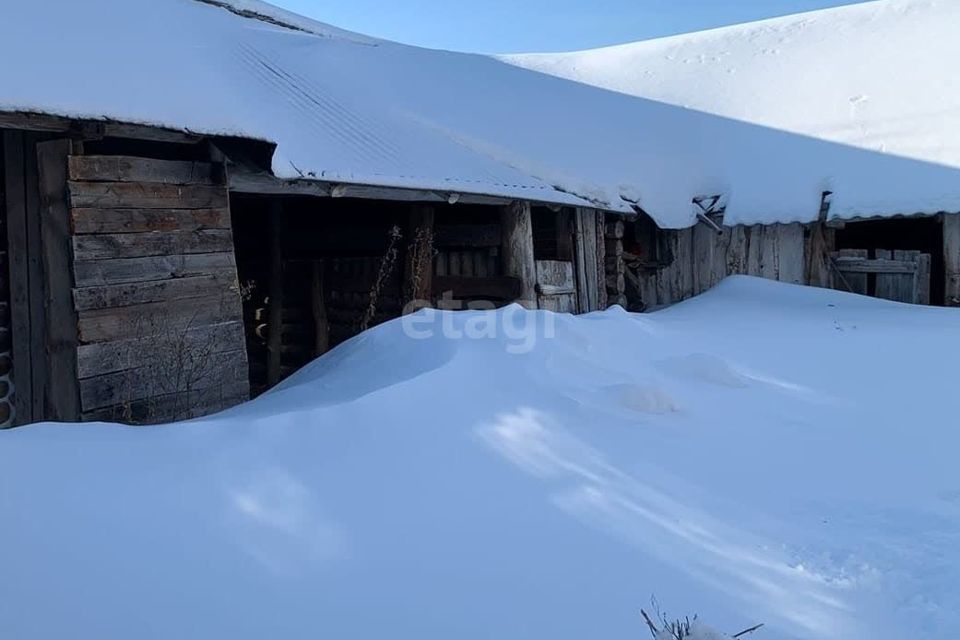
[
  {"x": 386, "y": 268},
  {"x": 748, "y": 631},
  {"x": 653, "y": 627}
]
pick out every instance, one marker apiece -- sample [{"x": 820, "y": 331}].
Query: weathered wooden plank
[
  {"x": 951, "y": 258},
  {"x": 318, "y": 308},
  {"x": 819, "y": 246},
  {"x": 172, "y": 407},
  {"x": 556, "y": 273},
  {"x": 156, "y": 318},
  {"x": 123, "y": 270},
  {"x": 275, "y": 321},
  {"x": 89, "y": 221},
  {"x": 922, "y": 285},
  {"x": 191, "y": 368},
  {"x": 614, "y": 229},
  {"x": 139, "y": 245},
  {"x": 125, "y": 295},
  {"x": 119, "y": 355},
  {"x": 146, "y": 195},
  {"x": 854, "y": 281},
  {"x": 588, "y": 267},
  {"x": 855, "y": 264},
  {"x": 38, "y": 315},
  {"x": 704, "y": 247},
  {"x": 98, "y": 129},
  {"x": 600, "y": 260},
  {"x": 62, "y": 396},
  {"x": 131, "y": 169},
  {"x": 16, "y": 212},
  {"x": 790, "y": 253},
  {"x": 556, "y": 286},
  {"x": 468, "y": 235},
  {"x": 517, "y": 250},
  {"x": 262, "y": 183},
  {"x": 465, "y": 288}
]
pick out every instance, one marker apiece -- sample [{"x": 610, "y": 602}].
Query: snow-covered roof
[
  {"x": 879, "y": 76},
  {"x": 346, "y": 108}
]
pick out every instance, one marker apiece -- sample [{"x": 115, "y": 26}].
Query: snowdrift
[{"x": 763, "y": 453}]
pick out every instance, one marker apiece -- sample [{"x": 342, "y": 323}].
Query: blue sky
[{"x": 492, "y": 26}]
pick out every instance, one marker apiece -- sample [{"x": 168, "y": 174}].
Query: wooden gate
[{"x": 902, "y": 276}]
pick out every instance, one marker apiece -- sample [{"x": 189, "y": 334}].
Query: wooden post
[
  {"x": 320, "y": 321},
  {"x": 951, "y": 255},
  {"x": 61, "y": 384},
  {"x": 275, "y": 321},
  {"x": 589, "y": 260},
  {"x": 517, "y": 250},
  {"x": 16, "y": 211},
  {"x": 418, "y": 276}
]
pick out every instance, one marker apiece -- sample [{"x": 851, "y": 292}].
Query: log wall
[{"x": 160, "y": 332}]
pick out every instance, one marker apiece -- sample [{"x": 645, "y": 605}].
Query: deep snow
[
  {"x": 344, "y": 108},
  {"x": 763, "y": 453}
]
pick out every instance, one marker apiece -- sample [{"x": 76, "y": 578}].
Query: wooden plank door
[
  {"x": 589, "y": 260},
  {"x": 556, "y": 286}
]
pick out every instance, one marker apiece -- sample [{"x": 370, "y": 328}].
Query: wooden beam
[
  {"x": 265, "y": 184},
  {"x": 98, "y": 221},
  {"x": 146, "y": 195},
  {"x": 132, "y": 169},
  {"x": 16, "y": 212},
  {"x": 589, "y": 259},
  {"x": 517, "y": 250},
  {"x": 122, "y": 270},
  {"x": 93, "y": 129},
  {"x": 275, "y": 322},
  {"x": 38, "y": 316},
  {"x": 139, "y": 245},
  {"x": 951, "y": 255},
  {"x": 321, "y": 323},
  {"x": 62, "y": 390}
]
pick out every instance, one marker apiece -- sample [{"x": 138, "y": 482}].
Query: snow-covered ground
[{"x": 763, "y": 453}]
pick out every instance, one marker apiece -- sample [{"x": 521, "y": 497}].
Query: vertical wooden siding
[
  {"x": 702, "y": 258},
  {"x": 158, "y": 306}
]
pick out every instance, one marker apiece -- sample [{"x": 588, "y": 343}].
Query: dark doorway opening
[{"x": 923, "y": 234}]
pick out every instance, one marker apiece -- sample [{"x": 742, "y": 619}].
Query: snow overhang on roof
[{"x": 344, "y": 108}]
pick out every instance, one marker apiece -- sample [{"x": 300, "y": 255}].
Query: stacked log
[{"x": 615, "y": 267}]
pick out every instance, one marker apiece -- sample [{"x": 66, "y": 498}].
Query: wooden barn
[
  {"x": 152, "y": 278},
  {"x": 199, "y": 197},
  {"x": 913, "y": 259}
]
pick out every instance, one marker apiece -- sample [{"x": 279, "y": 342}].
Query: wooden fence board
[
  {"x": 87, "y": 221},
  {"x": 16, "y": 211},
  {"x": 131, "y": 169},
  {"x": 146, "y": 195},
  {"x": 141, "y": 320},
  {"x": 154, "y": 380},
  {"x": 62, "y": 396},
  {"x": 119, "y": 355},
  {"x": 125, "y": 295},
  {"x": 123, "y": 270},
  {"x": 138, "y": 245}
]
